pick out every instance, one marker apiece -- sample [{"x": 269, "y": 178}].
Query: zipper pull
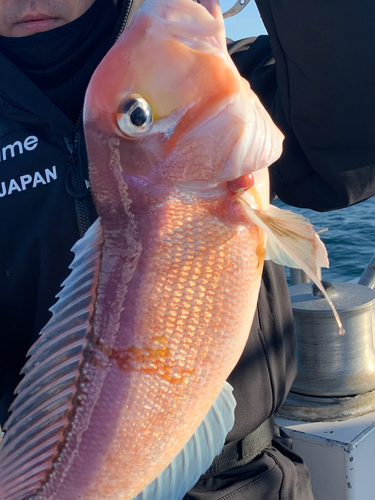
[{"x": 75, "y": 183}]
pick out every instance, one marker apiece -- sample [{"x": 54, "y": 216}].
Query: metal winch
[{"x": 336, "y": 373}]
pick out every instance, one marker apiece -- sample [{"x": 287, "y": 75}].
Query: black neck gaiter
[{"x": 61, "y": 61}]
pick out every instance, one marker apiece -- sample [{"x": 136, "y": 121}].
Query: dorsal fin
[{"x": 43, "y": 410}]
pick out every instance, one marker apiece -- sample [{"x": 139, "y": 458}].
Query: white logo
[
  {"x": 28, "y": 181},
  {"x": 9, "y": 151}
]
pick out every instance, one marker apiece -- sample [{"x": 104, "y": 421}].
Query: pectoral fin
[
  {"x": 197, "y": 455},
  {"x": 291, "y": 241}
]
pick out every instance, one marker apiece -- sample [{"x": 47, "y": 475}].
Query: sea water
[{"x": 350, "y": 239}]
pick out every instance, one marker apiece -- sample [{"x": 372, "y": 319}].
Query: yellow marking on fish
[
  {"x": 152, "y": 361},
  {"x": 254, "y": 193},
  {"x": 261, "y": 250}
]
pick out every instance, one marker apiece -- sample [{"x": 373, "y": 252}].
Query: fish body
[
  {"x": 184, "y": 310},
  {"x": 164, "y": 286}
]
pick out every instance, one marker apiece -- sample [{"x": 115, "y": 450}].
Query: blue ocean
[{"x": 350, "y": 239}]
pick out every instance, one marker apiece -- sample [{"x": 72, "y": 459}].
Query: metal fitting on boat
[
  {"x": 236, "y": 9},
  {"x": 336, "y": 373}
]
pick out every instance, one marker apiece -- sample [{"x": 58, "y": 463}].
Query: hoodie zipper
[
  {"x": 76, "y": 184},
  {"x": 125, "y": 19}
]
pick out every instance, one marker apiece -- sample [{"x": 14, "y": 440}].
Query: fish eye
[{"x": 134, "y": 116}]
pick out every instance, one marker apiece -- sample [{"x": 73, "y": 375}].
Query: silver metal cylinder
[
  {"x": 298, "y": 276},
  {"x": 330, "y": 364}
]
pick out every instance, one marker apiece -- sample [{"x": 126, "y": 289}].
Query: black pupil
[{"x": 138, "y": 117}]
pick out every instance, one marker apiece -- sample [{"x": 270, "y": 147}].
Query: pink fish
[{"x": 125, "y": 394}]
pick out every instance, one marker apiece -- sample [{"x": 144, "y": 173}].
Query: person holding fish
[{"x": 128, "y": 134}]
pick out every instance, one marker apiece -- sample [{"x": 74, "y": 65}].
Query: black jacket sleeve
[{"x": 321, "y": 94}]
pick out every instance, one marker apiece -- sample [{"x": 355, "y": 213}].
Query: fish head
[{"x": 171, "y": 107}]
